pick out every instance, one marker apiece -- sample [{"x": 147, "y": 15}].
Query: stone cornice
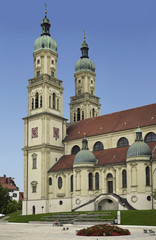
[
  {"x": 36, "y": 147},
  {"x": 46, "y": 114}
]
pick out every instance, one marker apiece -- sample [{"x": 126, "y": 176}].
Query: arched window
[
  {"x": 36, "y": 100},
  {"x": 50, "y": 181},
  {"x": 49, "y": 101},
  {"x": 93, "y": 112},
  {"x": 150, "y": 137},
  {"x": 32, "y": 103},
  {"x": 97, "y": 181},
  {"x": 82, "y": 115},
  {"x": 41, "y": 101},
  {"x": 147, "y": 176},
  {"x": 75, "y": 149},
  {"x": 109, "y": 183},
  {"x": 90, "y": 181},
  {"x": 54, "y": 99},
  {"x": 59, "y": 182},
  {"x": 71, "y": 183},
  {"x": 109, "y": 175},
  {"x": 74, "y": 117},
  {"x": 57, "y": 104},
  {"x": 98, "y": 146},
  {"x": 123, "y": 142},
  {"x": 78, "y": 114},
  {"x": 124, "y": 178}
]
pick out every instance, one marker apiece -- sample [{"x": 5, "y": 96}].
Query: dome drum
[
  {"x": 139, "y": 148},
  {"x": 85, "y": 157}
]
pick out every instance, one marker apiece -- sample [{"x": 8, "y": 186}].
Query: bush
[{"x": 103, "y": 230}]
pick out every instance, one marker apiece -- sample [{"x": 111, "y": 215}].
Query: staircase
[{"x": 122, "y": 201}]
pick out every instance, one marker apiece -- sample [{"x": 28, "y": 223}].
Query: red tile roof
[
  {"x": 105, "y": 157},
  {"x": 8, "y": 182},
  {"x": 118, "y": 121}
]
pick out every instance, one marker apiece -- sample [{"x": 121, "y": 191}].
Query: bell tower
[
  {"x": 45, "y": 126},
  {"x": 84, "y": 104}
]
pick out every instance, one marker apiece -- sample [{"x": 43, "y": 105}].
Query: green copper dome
[
  {"x": 85, "y": 156},
  {"x": 84, "y": 63},
  {"x": 139, "y": 148},
  {"x": 45, "y": 41}
]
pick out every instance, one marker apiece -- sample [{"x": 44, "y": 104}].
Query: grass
[{"x": 128, "y": 217}]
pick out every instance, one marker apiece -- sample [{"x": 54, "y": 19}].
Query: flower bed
[{"x": 103, "y": 230}]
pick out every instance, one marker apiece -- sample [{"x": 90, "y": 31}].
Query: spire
[
  {"x": 45, "y": 24},
  {"x": 138, "y": 135},
  {"x": 84, "y": 48}
]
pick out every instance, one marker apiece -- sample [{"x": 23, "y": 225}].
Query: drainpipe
[{"x": 152, "y": 176}]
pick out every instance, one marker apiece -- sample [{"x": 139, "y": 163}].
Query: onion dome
[
  {"x": 45, "y": 41},
  {"x": 139, "y": 148},
  {"x": 84, "y": 63},
  {"x": 85, "y": 156}
]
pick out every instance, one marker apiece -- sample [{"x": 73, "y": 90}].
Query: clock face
[
  {"x": 55, "y": 132},
  {"x": 35, "y": 132}
]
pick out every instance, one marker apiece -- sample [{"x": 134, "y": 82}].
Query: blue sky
[{"x": 121, "y": 35}]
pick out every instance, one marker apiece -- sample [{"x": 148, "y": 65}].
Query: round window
[
  {"x": 59, "y": 182},
  {"x": 149, "y": 198},
  {"x": 60, "y": 202}
]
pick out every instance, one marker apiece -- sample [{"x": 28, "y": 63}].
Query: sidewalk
[{"x": 21, "y": 231}]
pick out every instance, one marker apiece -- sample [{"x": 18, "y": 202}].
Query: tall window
[
  {"x": 50, "y": 181},
  {"x": 33, "y": 189},
  {"x": 36, "y": 100},
  {"x": 71, "y": 183},
  {"x": 124, "y": 178},
  {"x": 38, "y": 73},
  {"x": 90, "y": 181},
  {"x": 34, "y": 163},
  {"x": 78, "y": 114},
  {"x": 98, "y": 146},
  {"x": 97, "y": 181},
  {"x": 123, "y": 142},
  {"x": 150, "y": 137},
  {"x": 57, "y": 104},
  {"x": 79, "y": 92},
  {"x": 41, "y": 101},
  {"x": 74, "y": 117},
  {"x": 32, "y": 103},
  {"x": 147, "y": 176},
  {"x": 93, "y": 112},
  {"x": 59, "y": 182},
  {"x": 75, "y": 149},
  {"x": 110, "y": 183},
  {"x": 49, "y": 101},
  {"x": 54, "y": 99},
  {"x": 82, "y": 115}
]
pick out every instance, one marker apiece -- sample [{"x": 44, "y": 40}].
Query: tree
[
  {"x": 4, "y": 199},
  {"x": 154, "y": 194}
]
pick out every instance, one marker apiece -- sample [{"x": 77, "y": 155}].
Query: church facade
[{"x": 94, "y": 162}]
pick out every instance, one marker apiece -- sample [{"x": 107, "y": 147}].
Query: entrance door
[
  {"x": 33, "y": 210},
  {"x": 110, "y": 186}
]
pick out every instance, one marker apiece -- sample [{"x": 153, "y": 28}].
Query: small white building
[{"x": 8, "y": 182}]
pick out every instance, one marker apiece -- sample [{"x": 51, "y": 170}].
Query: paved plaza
[{"x": 15, "y": 231}]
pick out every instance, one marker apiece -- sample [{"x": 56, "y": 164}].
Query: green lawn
[{"x": 128, "y": 217}]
